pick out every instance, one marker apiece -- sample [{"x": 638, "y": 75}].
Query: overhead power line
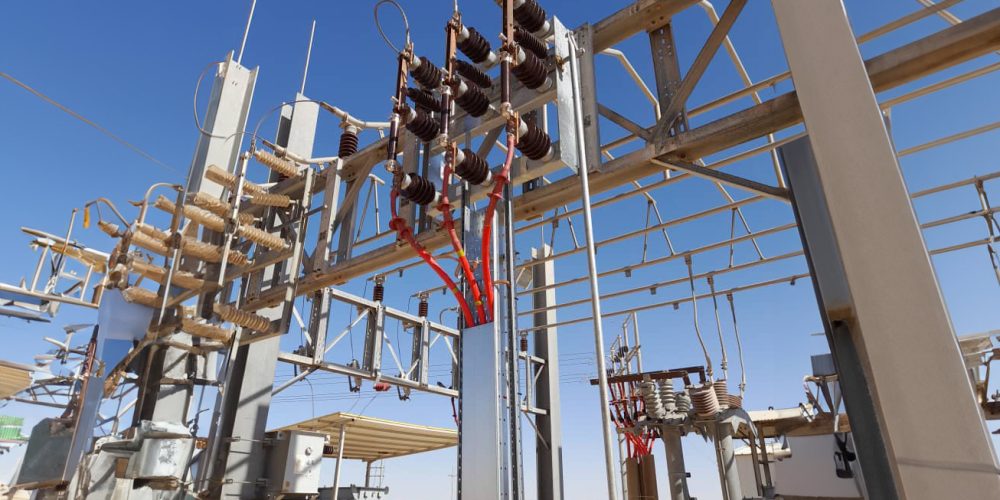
[{"x": 84, "y": 119}]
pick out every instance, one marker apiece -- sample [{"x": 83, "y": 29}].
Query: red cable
[
  {"x": 398, "y": 224},
  {"x": 449, "y": 223},
  {"x": 501, "y": 181}
]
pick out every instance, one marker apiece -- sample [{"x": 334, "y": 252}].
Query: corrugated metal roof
[
  {"x": 14, "y": 378},
  {"x": 370, "y": 438}
]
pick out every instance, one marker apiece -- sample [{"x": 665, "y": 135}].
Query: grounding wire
[
  {"x": 194, "y": 101},
  {"x": 739, "y": 345},
  {"x": 378, "y": 24},
  {"x": 697, "y": 329},
  {"x": 724, "y": 363}
]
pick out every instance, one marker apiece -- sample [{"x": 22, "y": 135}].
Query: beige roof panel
[
  {"x": 14, "y": 378},
  {"x": 370, "y": 438}
]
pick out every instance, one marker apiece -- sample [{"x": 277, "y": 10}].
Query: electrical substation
[{"x": 406, "y": 266}]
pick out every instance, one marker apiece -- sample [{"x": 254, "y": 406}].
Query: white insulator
[
  {"x": 651, "y": 398},
  {"x": 665, "y": 388},
  {"x": 721, "y": 393},
  {"x": 279, "y": 165},
  {"x": 704, "y": 400},
  {"x": 683, "y": 402}
]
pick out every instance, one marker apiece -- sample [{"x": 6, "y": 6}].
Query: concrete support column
[
  {"x": 676, "y": 472},
  {"x": 887, "y": 325},
  {"x": 729, "y": 477},
  {"x": 548, "y": 446}
]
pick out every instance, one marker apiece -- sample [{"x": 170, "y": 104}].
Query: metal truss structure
[{"x": 225, "y": 276}]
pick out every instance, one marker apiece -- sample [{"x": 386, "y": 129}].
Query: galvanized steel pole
[
  {"x": 595, "y": 295},
  {"x": 340, "y": 460}
]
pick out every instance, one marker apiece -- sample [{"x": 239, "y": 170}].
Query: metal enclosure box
[
  {"x": 163, "y": 453},
  {"x": 293, "y": 464},
  {"x": 641, "y": 474},
  {"x": 480, "y": 446},
  {"x": 45, "y": 457}
]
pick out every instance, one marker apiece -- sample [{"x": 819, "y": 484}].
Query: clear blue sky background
[{"x": 132, "y": 67}]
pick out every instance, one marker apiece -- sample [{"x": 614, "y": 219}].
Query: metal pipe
[
  {"x": 765, "y": 462},
  {"x": 906, "y": 20},
  {"x": 949, "y": 139},
  {"x": 595, "y": 295},
  {"x": 309, "y": 51},
  {"x": 957, "y": 218},
  {"x": 755, "y": 460},
  {"x": 144, "y": 205},
  {"x": 110, "y": 205},
  {"x": 957, "y": 184},
  {"x": 724, "y": 361},
  {"x": 647, "y": 307},
  {"x": 943, "y": 84},
  {"x": 623, "y": 59},
  {"x": 246, "y": 32},
  {"x": 302, "y": 375},
  {"x": 344, "y": 115},
  {"x": 670, "y": 180},
  {"x": 663, "y": 284},
  {"x": 512, "y": 346},
  {"x": 774, "y": 80},
  {"x": 667, "y": 258},
  {"x": 656, "y": 227},
  {"x": 747, "y": 82},
  {"x": 340, "y": 460},
  {"x": 962, "y": 246}
]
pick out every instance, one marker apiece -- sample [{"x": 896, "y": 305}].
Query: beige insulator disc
[
  {"x": 270, "y": 200},
  {"x": 108, "y": 228},
  {"x": 220, "y": 208},
  {"x": 704, "y": 400},
  {"x": 205, "y": 330},
  {"x": 142, "y": 296},
  {"x": 154, "y": 245},
  {"x": 279, "y": 165},
  {"x": 152, "y": 232},
  {"x": 158, "y": 274},
  {"x": 243, "y": 318},
  {"x": 261, "y": 237},
  {"x": 223, "y": 178}
]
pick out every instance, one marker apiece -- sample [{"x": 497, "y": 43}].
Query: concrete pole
[
  {"x": 728, "y": 475},
  {"x": 548, "y": 446},
  {"x": 676, "y": 473},
  {"x": 340, "y": 460}
]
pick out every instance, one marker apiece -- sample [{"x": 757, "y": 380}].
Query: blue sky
[{"x": 132, "y": 67}]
